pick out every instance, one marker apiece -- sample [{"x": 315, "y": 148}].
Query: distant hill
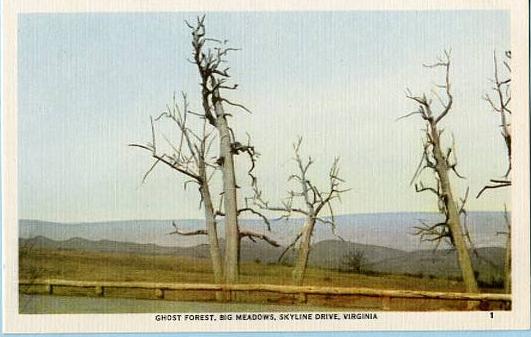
[
  {"x": 488, "y": 263},
  {"x": 393, "y": 230},
  {"x": 331, "y": 254},
  {"x": 328, "y": 254},
  {"x": 250, "y": 250}
]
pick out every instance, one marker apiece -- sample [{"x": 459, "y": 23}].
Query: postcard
[{"x": 282, "y": 166}]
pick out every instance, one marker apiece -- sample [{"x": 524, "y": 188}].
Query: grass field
[{"x": 93, "y": 266}]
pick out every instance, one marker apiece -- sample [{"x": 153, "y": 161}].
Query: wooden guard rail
[{"x": 159, "y": 288}]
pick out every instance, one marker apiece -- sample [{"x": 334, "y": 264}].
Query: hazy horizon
[
  {"x": 388, "y": 229},
  {"x": 273, "y": 218}
]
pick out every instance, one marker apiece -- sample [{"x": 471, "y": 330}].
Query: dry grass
[{"x": 93, "y": 266}]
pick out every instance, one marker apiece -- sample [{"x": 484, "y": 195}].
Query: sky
[{"x": 88, "y": 84}]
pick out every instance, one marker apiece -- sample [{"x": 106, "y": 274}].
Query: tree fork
[{"x": 304, "y": 252}]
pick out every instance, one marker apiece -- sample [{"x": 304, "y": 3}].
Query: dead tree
[
  {"x": 211, "y": 65},
  {"x": 307, "y": 201},
  {"x": 189, "y": 157},
  {"x": 508, "y": 257},
  {"x": 441, "y": 162},
  {"x": 213, "y": 77},
  {"x": 500, "y": 104}
]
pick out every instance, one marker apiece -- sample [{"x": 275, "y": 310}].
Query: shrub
[{"x": 353, "y": 261}]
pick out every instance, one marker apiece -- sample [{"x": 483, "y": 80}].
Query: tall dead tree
[
  {"x": 441, "y": 162},
  {"x": 308, "y": 201},
  {"x": 211, "y": 65},
  {"x": 500, "y": 103},
  {"x": 189, "y": 157}
]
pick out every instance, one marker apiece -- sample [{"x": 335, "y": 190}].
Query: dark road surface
[{"x": 46, "y": 304}]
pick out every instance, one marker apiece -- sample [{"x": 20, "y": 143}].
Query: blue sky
[{"x": 87, "y": 84}]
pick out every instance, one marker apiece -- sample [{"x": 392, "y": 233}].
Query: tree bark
[
  {"x": 215, "y": 253},
  {"x": 507, "y": 267},
  {"x": 304, "y": 252},
  {"x": 454, "y": 222},
  {"x": 232, "y": 232}
]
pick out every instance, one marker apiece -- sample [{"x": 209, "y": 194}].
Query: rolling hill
[
  {"x": 393, "y": 230},
  {"x": 327, "y": 254}
]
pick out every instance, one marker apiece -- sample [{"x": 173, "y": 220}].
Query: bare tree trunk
[
  {"x": 508, "y": 261},
  {"x": 502, "y": 86},
  {"x": 434, "y": 158},
  {"x": 314, "y": 202},
  {"x": 304, "y": 252},
  {"x": 215, "y": 253},
  {"x": 232, "y": 232},
  {"x": 209, "y": 63},
  {"x": 454, "y": 223},
  {"x": 190, "y": 159}
]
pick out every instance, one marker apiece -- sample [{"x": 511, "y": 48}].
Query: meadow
[{"x": 41, "y": 263}]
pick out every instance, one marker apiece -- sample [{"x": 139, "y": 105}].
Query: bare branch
[
  {"x": 496, "y": 185},
  {"x": 253, "y": 236},
  {"x": 419, "y": 168},
  {"x": 421, "y": 188},
  {"x": 502, "y": 92},
  {"x": 190, "y": 233},
  {"x": 409, "y": 115},
  {"x": 255, "y": 212},
  {"x": 174, "y": 166},
  {"x": 288, "y": 247},
  {"x": 150, "y": 170}
]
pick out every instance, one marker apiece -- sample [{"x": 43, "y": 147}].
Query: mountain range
[
  {"x": 327, "y": 254},
  {"x": 392, "y": 230}
]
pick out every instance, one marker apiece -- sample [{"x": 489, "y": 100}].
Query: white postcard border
[{"x": 518, "y": 318}]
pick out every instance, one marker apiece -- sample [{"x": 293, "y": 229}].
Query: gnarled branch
[
  {"x": 253, "y": 236},
  {"x": 185, "y": 233}
]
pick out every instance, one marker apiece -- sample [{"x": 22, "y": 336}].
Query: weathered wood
[
  {"x": 213, "y": 241},
  {"x": 232, "y": 231},
  {"x": 99, "y": 291},
  {"x": 304, "y": 248},
  {"x": 159, "y": 293},
  {"x": 453, "y": 214},
  {"x": 438, "y": 160},
  {"x": 386, "y": 303},
  {"x": 282, "y": 289},
  {"x": 211, "y": 80},
  {"x": 507, "y": 268}
]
